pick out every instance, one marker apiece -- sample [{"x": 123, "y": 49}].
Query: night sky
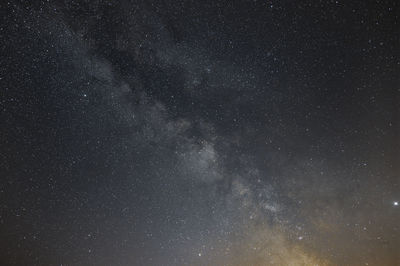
[{"x": 199, "y": 132}]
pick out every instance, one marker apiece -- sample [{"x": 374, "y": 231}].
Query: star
[{"x": 396, "y": 203}]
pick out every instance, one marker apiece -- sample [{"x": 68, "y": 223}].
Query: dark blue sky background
[{"x": 199, "y": 133}]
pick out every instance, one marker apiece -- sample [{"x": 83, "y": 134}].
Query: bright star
[{"x": 396, "y": 203}]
